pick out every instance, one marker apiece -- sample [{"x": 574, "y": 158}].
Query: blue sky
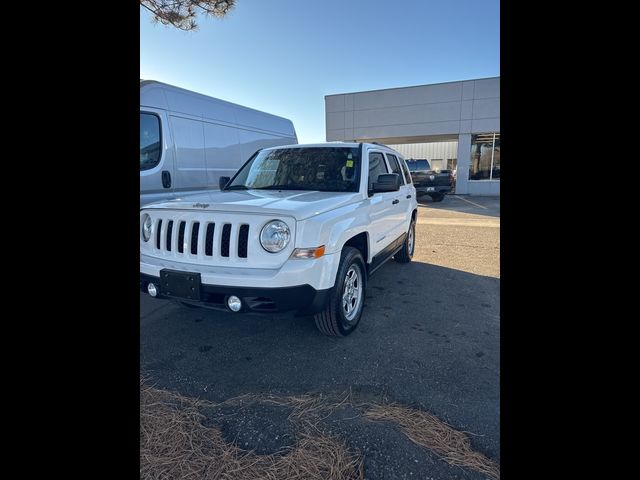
[{"x": 284, "y": 56}]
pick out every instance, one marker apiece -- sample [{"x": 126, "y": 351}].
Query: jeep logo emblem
[{"x": 200, "y": 205}]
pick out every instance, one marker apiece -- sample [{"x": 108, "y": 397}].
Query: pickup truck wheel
[
  {"x": 406, "y": 253},
  {"x": 437, "y": 197},
  {"x": 343, "y": 311}
]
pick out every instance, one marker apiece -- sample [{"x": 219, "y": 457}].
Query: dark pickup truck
[{"x": 429, "y": 182}]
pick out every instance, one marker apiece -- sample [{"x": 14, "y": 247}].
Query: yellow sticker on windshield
[{"x": 350, "y": 163}]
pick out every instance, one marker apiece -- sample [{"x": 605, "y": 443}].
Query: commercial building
[{"x": 454, "y": 125}]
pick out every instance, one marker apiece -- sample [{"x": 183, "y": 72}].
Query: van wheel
[
  {"x": 406, "y": 253},
  {"x": 437, "y": 197},
  {"x": 342, "y": 313}
]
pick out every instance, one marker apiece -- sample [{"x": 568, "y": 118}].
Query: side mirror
[
  {"x": 222, "y": 182},
  {"x": 387, "y": 182}
]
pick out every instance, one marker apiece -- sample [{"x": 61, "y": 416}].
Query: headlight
[
  {"x": 146, "y": 227},
  {"x": 275, "y": 236}
]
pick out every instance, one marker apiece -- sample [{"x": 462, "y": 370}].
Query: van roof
[{"x": 169, "y": 97}]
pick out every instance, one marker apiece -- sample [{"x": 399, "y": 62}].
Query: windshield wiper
[{"x": 236, "y": 187}]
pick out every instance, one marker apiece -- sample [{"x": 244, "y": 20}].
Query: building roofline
[{"x": 411, "y": 86}]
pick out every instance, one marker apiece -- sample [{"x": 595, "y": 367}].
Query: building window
[{"x": 485, "y": 157}]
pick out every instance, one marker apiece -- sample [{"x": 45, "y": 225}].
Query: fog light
[
  {"x": 153, "y": 291},
  {"x": 234, "y": 303}
]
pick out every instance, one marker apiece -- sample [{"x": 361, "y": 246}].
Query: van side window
[
  {"x": 376, "y": 167},
  {"x": 395, "y": 167},
  {"x": 149, "y": 141}
]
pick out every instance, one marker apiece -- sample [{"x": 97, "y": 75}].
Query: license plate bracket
[{"x": 179, "y": 284}]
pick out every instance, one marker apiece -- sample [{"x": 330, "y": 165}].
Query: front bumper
[
  {"x": 303, "y": 298},
  {"x": 319, "y": 273}
]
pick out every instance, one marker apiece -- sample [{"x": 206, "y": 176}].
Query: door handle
[
  {"x": 408, "y": 196},
  {"x": 396, "y": 201},
  {"x": 166, "y": 179}
]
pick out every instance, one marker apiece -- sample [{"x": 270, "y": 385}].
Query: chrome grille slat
[
  {"x": 216, "y": 241},
  {"x": 163, "y": 234},
  {"x": 174, "y": 240},
  {"x": 201, "y": 240},
  {"x": 233, "y": 241}
]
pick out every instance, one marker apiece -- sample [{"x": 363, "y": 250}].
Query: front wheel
[
  {"x": 406, "y": 253},
  {"x": 437, "y": 197},
  {"x": 343, "y": 311}
]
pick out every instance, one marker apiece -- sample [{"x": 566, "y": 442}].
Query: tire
[
  {"x": 406, "y": 253},
  {"x": 437, "y": 197},
  {"x": 335, "y": 320}
]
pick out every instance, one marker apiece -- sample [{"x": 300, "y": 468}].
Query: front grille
[{"x": 201, "y": 239}]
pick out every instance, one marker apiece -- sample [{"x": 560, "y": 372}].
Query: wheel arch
[{"x": 361, "y": 242}]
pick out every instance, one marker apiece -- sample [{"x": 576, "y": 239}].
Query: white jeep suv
[{"x": 299, "y": 227}]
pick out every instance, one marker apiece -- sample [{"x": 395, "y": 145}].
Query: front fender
[{"x": 332, "y": 229}]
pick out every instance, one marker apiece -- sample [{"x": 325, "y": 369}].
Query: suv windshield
[{"x": 325, "y": 169}]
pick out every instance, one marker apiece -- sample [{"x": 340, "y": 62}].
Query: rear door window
[
  {"x": 395, "y": 166},
  {"x": 407, "y": 175}
]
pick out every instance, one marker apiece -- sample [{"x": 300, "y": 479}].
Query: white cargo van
[{"x": 188, "y": 141}]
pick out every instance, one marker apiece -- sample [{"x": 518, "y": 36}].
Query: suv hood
[{"x": 294, "y": 203}]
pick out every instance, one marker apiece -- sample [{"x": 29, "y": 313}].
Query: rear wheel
[
  {"x": 406, "y": 253},
  {"x": 342, "y": 313},
  {"x": 437, "y": 197}
]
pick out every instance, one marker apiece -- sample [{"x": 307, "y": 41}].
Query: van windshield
[{"x": 325, "y": 169}]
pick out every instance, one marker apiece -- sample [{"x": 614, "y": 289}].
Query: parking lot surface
[{"x": 429, "y": 338}]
